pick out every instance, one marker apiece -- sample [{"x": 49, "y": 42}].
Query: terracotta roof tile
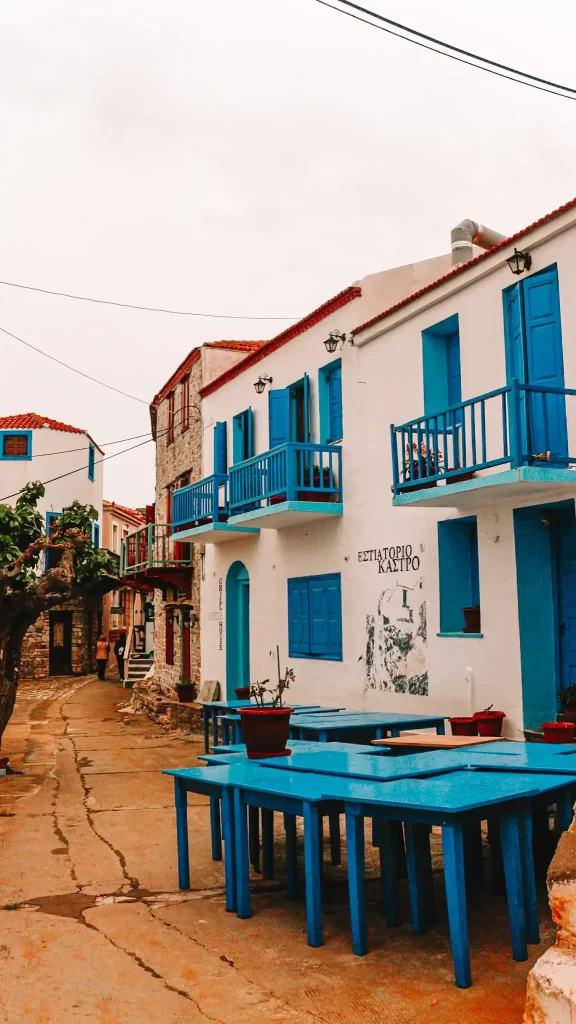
[
  {"x": 190, "y": 359},
  {"x": 132, "y": 512},
  {"x": 32, "y": 421}
]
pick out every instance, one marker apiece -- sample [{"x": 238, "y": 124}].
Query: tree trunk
[{"x": 10, "y": 652}]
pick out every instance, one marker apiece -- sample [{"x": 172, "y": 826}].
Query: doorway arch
[{"x": 237, "y": 628}]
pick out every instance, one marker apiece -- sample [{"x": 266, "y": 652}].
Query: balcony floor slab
[
  {"x": 489, "y": 488},
  {"x": 289, "y": 513},
  {"x": 215, "y": 533}
]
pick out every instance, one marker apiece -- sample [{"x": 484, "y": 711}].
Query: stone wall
[{"x": 35, "y": 663}]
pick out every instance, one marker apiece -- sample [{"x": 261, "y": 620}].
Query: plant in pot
[
  {"x": 472, "y": 623},
  {"x": 187, "y": 692},
  {"x": 242, "y": 692},
  {"x": 462, "y": 726},
  {"x": 567, "y": 699},
  {"x": 265, "y": 726},
  {"x": 558, "y": 732},
  {"x": 489, "y": 721},
  {"x": 317, "y": 474},
  {"x": 420, "y": 462}
]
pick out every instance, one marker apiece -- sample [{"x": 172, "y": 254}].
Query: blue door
[
  {"x": 237, "y": 628},
  {"x": 566, "y": 575}
]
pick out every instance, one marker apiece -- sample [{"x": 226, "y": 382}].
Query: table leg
[
  {"x": 418, "y": 876},
  {"x": 225, "y": 729},
  {"x": 473, "y": 859},
  {"x": 237, "y": 732},
  {"x": 242, "y": 864},
  {"x": 391, "y": 843},
  {"x": 395, "y": 732},
  {"x": 312, "y": 874},
  {"x": 322, "y": 737},
  {"x": 267, "y": 843},
  {"x": 496, "y": 856},
  {"x": 254, "y": 824},
  {"x": 229, "y": 851},
  {"x": 215, "y": 829},
  {"x": 214, "y": 727},
  {"x": 565, "y": 806},
  {"x": 206, "y": 727},
  {"x": 291, "y": 855},
  {"x": 379, "y": 733},
  {"x": 529, "y": 877},
  {"x": 181, "y": 801},
  {"x": 334, "y": 824},
  {"x": 455, "y": 881},
  {"x": 512, "y": 859},
  {"x": 355, "y": 858},
  {"x": 441, "y": 729}
]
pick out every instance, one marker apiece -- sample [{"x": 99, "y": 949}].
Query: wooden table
[{"x": 424, "y": 741}]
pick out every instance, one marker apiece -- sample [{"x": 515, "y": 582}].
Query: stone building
[{"x": 152, "y": 556}]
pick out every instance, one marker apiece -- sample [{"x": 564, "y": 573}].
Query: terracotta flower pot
[
  {"x": 265, "y": 730},
  {"x": 242, "y": 692},
  {"x": 186, "y": 693},
  {"x": 472, "y": 622},
  {"x": 464, "y": 726},
  {"x": 489, "y": 722},
  {"x": 558, "y": 732}
]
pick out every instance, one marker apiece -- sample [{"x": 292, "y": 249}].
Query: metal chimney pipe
[{"x": 469, "y": 233}]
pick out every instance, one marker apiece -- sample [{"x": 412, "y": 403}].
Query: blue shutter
[
  {"x": 96, "y": 535},
  {"x": 453, "y": 368},
  {"x": 545, "y": 364},
  {"x": 474, "y": 570},
  {"x": 298, "y": 618},
  {"x": 249, "y": 438},
  {"x": 326, "y": 616},
  {"x": 220, "y": 453},
  {"x": 335, "y": 404},
  {"x": 242, "y": 437},
  {"x": 306, "y": 390},
  {"x": 279, "y": 416},
  {"x": 91, "y": 462}
]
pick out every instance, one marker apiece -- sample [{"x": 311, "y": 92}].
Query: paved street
[{"x": 94, "y": 928}]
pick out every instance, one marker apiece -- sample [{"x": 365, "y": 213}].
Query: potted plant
[
  {"x": 316, "y": 494},
  {"x": 421, "y": 463},
  {"x": 242, "y": 692},
  {"x": 466, "y": 474},
  {"x": 472, "y": 622},
  {"x": 464, "y": 726},
  {"x": 489, "y": 721},
  {"x": 567, "y": 699},
  {"x": 186, "y": 692},
  {"x": 265, "y": 727},
  {"x": 558, "y": 732}
]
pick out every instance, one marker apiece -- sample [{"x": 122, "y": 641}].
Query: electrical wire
[
  {"x": 533, "y": 79},
  {"x": 84, "y": 448},
  {"x": 73, "y": 368},
  {"x": 146, "y": 309}
]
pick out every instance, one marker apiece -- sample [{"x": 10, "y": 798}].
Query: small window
[
  {"x": 185, "y": 403},
  {"x": 170, "y": 424},
  {"x": 315, "y": 617},
  {"x": 169, "y": 636},
  {"x": 96, "y": 536},
  {"x": 242, "y": 444},
  {"x": 441, "y": 366},
  {"x": 330, "y": 397},
  {"x": 115, "y": 539},
  {"x": 459, "y": 575},
  {"x": 91, "y": 460},
  {"x": 16, "y": 445}
]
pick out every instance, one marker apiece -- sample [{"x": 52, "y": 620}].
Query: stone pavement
[{"x": 93, "y": 926}]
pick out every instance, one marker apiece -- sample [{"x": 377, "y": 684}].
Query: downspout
[{"x": 468, "y": 233}]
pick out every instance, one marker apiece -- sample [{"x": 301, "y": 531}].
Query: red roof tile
[
  {"x": 133, "y": 513},
  {"x": 32, "y": 421},
  {"x": 343, "y": 297},
  {"x": 465, "y": 266},
  {"x": 190, "y": 359}
]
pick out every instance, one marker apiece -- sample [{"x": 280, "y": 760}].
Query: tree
[{"x": 26, "y": 591}]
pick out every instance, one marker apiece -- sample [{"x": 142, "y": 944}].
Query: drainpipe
[{"x": 469, "y": 233}]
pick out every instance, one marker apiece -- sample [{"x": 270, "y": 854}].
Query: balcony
[
  {"x": 508, "y": 443},
  {"x": 200, "y": 512},
  {"x": 287, "y": 486},
  {"x": 150, "y": 558}
]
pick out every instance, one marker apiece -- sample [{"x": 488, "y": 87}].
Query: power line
[
  {"x": 146, "y": 309},
  {"x": 84, "y": 448},
  {"x": 73, "y": 368},
  {"x": 533, "y": 79}
]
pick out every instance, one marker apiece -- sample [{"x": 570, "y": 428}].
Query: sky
[{"x": 249, "y": 158}]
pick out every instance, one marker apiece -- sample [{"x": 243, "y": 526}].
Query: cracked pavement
[{"x": 94, "y": 928}]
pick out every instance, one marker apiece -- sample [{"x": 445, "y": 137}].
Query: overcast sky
[{"x": 244, "y": 157}]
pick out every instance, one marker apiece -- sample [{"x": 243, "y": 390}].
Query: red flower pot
[
  {"x": 464, "y": 726},
  {"x": 265, "y": 730},
  {"x": 558, "y": 732},
  {"x": 277, "y": 499},
  {"x": 242, "y": 693},
  {"x": 471, "y": 620},
  {"x": 568, "y": 716},
  {"x": 489, "y": 722}
]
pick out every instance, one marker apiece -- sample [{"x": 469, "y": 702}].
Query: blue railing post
[
  {"x": 289, "y": 457},
  {"x": 395, "y": 470},
  {"x": 515, "y": 424}
]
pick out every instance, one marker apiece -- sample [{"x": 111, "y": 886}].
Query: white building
[
  {"x": 32, "y": 448},
  {"x": 359, "y": 564}
]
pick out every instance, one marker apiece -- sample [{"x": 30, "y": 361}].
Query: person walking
[
  {"x": 102, "y": 652},
  {"x": 119, "y": 649}
]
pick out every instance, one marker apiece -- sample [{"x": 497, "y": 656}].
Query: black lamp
[
  {"x": 336, "y": 338},
  {"x": 519, "y": 262},
  {"x": 261, "y": 383}
]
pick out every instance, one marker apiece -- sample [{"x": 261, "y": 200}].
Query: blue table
[
  {"x": 212, "y": 709},
  {"x": 233, "y": 722},
  {"x": 311, "y": 746},
  {"x": 368, "y": 724}
]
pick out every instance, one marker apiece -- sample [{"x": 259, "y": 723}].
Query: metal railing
[
  {"x": 516, "y": 425},
  {"x": 204, "y": 501},
  {"x": 150, "y": 547},
  {"x": 290, "y": 472}
]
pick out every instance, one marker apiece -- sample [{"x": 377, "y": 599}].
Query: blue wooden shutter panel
[
  {"x": 298, "y": 617},
  {"x": 335, "y": 403},
  {"x": 279, "y": 416},
  {"x": 220, "y": 453},
  {"x": 315, "y": 617}
]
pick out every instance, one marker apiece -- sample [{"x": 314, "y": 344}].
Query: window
[
  {"x": 315, "y": 617},
  {"x": 330, "y": 398},
  {"x": 52, "y": 556},
  {"x": 185, "y": 403},
  {"x": 96, "y": 536},
  {"x": 115, "y": 539},
  {"x": 242, "y": 437},
  {"x": 15, "y": 444},
  {"x": 170, "y": 424},
  {"x": 91, "y": 455},
  {"x": 458, "y": 572},
  {"x": 169, "y": 636},
  {"x": 441, "y": 366},
  {"x": 289, "y": 413}
]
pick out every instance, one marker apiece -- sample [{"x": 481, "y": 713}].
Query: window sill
[
  {"x": 465, "y": 636},
  {"x": 316, "y": 657},
  {"x": 15, "y": 458}
]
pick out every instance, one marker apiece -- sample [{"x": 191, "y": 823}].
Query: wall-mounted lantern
[
  {"x": 336, "y": 338},
  {"x": 519, "y": 262},
  {"x": 261, "y": 383}
]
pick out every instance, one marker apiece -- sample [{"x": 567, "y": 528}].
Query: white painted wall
[{"x": 382, "y": 383}]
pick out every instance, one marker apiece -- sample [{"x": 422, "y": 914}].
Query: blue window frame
[
  {"x": 242, "y": 437},
  {"x": 289, "y": 413},
  {"x": 15, "y": 445},
  {"x": 441, "y": 365},
  {"x": 96, "y": 534},
  {"x": 458, "y": 571},
  {"x": 51, "y": 557},
  {"x": 91, "y": 459},
  {"x": 330, "y": 398},
  {"x": 315, "y": 617}
]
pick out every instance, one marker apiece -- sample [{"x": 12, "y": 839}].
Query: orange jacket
[{"x": 102, "y": 650}]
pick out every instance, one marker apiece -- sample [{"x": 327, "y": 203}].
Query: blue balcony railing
[
  {"x": 290, "y": 472},
  {"x": 201, "y": 502},
  {"x": 517, "y": 425}
]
